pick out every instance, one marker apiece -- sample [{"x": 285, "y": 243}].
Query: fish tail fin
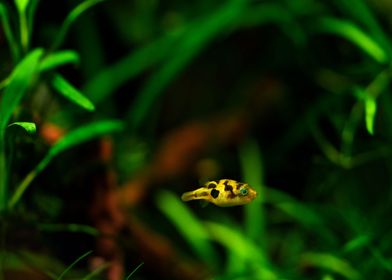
[{"x": 188, "y": 196}]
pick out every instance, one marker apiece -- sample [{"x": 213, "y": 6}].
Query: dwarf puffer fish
[{"x": 224, "y": 193}]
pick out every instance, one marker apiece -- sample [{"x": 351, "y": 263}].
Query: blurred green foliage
[{"x": 320, "y": 157}]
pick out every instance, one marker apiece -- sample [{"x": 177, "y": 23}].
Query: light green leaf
[
  {"x": 71, "y": 93},
  {"x": 370, "y": 113},
  {"x": 17, "y": 86},
  {"x": 357, "y": 36},
  {"x": 332, "y": 263},
  {"x": 370, "y": 104},
  {"x": 22, "y": 5},
  {"x": 28, "y": 126},
  {"x": 238, "y": 245},
  {"x": 234, "y": 240},
  {"x": 85, "y": 133},
  {"x": 188, "y": 225},
  {"x": 252, "y": 170},
  {"x": 72, "y": 16},
  {"x": 70, "y": 140},
  {"x": 57, "y": 59}
]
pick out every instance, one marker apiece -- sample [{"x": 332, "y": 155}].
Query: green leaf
[
  {"x": 17, "y": 87},
  {"x": 370, "y": 113},
  {"x": 22, "y": 5},
  {"x": 236, "y": 243},
  {"x": 370, "y": 104},
  {"x": 85, "y": 133},
  {"x": 71, "y": 93},
  {"x": 28, "y": 126},
  {"x": 70, "y": 140},
  {"x": 133, "y": 271},
  {"x": 200, "y": 33},
  {"x": 73, "y": 264},
  {"x": 74, "y": 228},
  {"x": 277, "y": 14},
  {"x": 97, "y": 271},
  {"x": 109, "y": 79},
  {"x": 6, "y": 26},
  {"x": 353, "y": 33},
  {"x": 57, "y": 59},
  {"x": 72, "y": 16},
  {"x": 252, "y": 170},
  {"x": 357, "y": 243},
  {"x": 332, "y": 263},
  {"x": 363, "y": 12},
  {"x": 234, "y": 240},
  {"x": 188, "y": 225}
]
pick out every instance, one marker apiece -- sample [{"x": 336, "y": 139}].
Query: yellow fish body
[{"x": 224, "y": 193}]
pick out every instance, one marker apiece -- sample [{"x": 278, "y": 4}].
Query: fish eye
[{"x": 244, "y": 191}]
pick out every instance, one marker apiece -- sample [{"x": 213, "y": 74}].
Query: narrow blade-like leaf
[
  {"x": 357, "y": 36},
  {"x": 71, "y": 93},
  {"x": 188, "y": 225},
  {"x": 86, "y": 133},
  {"x": 73, "y": 264},
  {"x": 72, "y": 16},
  {"x": 21, "y": 5},
  {"x": 19, "y": 83},
  {"x": 6, "y": 26},
  {"x": 72, "y": 139},
  {"x": 133, "y": 271},
  {"x": 370, "y": 113},
  {"x": 57, "y": 59},
  {"x": 331, "y": 263}
]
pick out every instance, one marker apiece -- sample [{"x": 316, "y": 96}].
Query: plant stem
[
  {"x": 3, "y": 176},
  {"x": 24, "y": 31},
  {"x": 22, "y": 188}
]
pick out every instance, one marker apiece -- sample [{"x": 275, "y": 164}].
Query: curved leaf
[
  {"x": 57, "y": 59},
  {"x": 353, "y": 33},
  {"x": 72, "y": 16},
  {"x": 30, "y": 127},
  {"x": 73, "y": 264},
  {"x": 72, "y": 139},
  {"x": 71, "y": 93},
  {"x": 188, "y": 225},
  {"x": 17, "y": 86},
  {"x": 332, "y": 263}
]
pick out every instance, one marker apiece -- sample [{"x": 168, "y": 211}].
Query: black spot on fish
[
  {"x": 229, "y": 188},
  {"x": 211, "y": 185},
  {"x": 214, "y": 193},
  {"x": 239, "y": 185}
]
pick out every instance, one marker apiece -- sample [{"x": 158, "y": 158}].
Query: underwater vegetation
[{"x": 117, "y": 118}]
